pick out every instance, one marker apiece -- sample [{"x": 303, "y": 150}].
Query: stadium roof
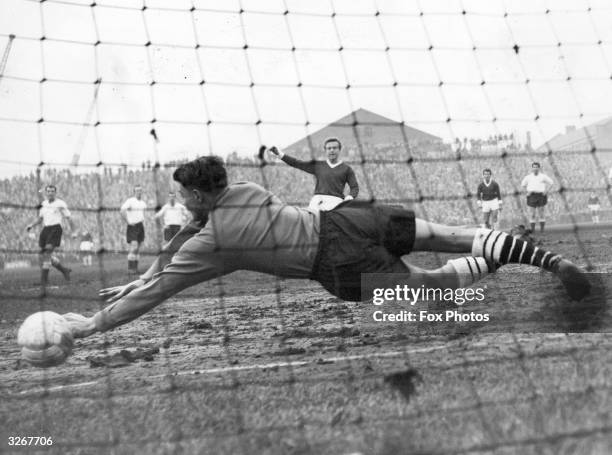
[
  {"x": 598, "y": 134},
  {"x": 363, "y": 127}
]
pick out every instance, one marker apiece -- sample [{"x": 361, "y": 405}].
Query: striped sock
[
  {"x": 501, "y": 248},
  {"x": 470, "y": 269}
]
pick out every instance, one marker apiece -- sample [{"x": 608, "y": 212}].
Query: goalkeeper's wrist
[{"x": 101, "y": 321}]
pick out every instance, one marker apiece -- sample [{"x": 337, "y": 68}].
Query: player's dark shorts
[
  {"x": 170, "y": 231},
  {"x": 537, "y": 200},
  {"x": 361, "y": 237},
  {"x": 135, "y": 233},
  {"x": 50, "y": 235}
]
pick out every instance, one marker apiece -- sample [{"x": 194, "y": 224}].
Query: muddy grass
[{"x": 298, "y": 371}]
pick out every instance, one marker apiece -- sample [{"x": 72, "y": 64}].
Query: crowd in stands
[{"x": 439, "y": 183}]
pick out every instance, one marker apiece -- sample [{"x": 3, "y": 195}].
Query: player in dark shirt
[
  {"x": 489, "y": 199},
  {"x": 331, "y": 175}
]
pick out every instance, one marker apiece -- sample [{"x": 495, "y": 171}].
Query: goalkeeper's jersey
[{"x": 248, "y": 229}]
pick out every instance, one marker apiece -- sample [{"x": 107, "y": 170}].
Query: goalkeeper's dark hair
[{"x": 206, "y": 173}]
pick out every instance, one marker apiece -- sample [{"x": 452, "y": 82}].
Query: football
[{"x": 45, "y": 339}]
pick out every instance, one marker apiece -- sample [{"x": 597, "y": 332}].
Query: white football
[{"x": 45, "y": 339}]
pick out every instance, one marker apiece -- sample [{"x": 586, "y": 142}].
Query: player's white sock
[
  {"x": 470, "y": 269},
  {"x": 501, "y": 248}
]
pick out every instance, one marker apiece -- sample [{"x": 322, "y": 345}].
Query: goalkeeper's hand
[
  {"x": 116, "y": 292},
  {"x": 80, "y": 326}
]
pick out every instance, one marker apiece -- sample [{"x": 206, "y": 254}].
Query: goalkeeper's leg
[
  {"x": 456, "y": 273},
  {"x": 499, "y": 248}
]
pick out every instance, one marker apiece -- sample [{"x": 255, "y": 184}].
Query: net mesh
[{"x": 105, "y": 104}]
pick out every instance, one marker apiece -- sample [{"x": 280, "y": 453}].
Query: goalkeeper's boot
[{"x": 574, "y": 280}]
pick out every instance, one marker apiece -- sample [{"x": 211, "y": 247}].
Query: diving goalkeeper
[{"x": 249, "y": 228}]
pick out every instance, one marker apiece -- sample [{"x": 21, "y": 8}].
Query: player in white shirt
[
  {"x": 133, "y": 212},
  {"x": 174, "y": 215},
  {"x": 537, "y": 185},
  {"x": 594, "y": 207},
  {"x": 86, "y": 248},
  {"x": 50, "y": 215}
]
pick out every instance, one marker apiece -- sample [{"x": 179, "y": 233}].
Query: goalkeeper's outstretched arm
[
  {"x": 114, "y": 293},
  {"x": 196, "y": 261}
]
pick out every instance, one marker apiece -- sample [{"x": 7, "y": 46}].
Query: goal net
[{"x": 97, "y": 97}]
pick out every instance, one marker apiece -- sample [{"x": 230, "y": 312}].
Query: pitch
[{"x": 297, "y": 371}]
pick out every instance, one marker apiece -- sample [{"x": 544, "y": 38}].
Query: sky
[{"x": 210, "y": 79}]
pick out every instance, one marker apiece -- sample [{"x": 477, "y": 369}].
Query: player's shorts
[
  {"x": 490, "y": 206},
  {"x": 50, "y": 235},
  {"x": 537, "y": 200},
  {"x": 170, "y": 231},
  {"x": 361, "y": 237},
  {"x": 594, "y": 207},
  {"x": 135, "y": 233},
  {"x": 324, "y": 202}
]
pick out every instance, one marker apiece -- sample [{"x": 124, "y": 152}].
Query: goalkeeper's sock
[
  {"x": 469, "y": 269},
  {"x": 501, "y": 248}
]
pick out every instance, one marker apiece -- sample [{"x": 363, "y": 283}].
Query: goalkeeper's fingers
[{"x": 109, "y": 291}]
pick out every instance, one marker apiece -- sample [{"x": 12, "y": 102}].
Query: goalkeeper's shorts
[{"x": 361, "y": 237}]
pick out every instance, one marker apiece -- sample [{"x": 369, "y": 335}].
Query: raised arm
[{"x": 306, "y": 166}]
